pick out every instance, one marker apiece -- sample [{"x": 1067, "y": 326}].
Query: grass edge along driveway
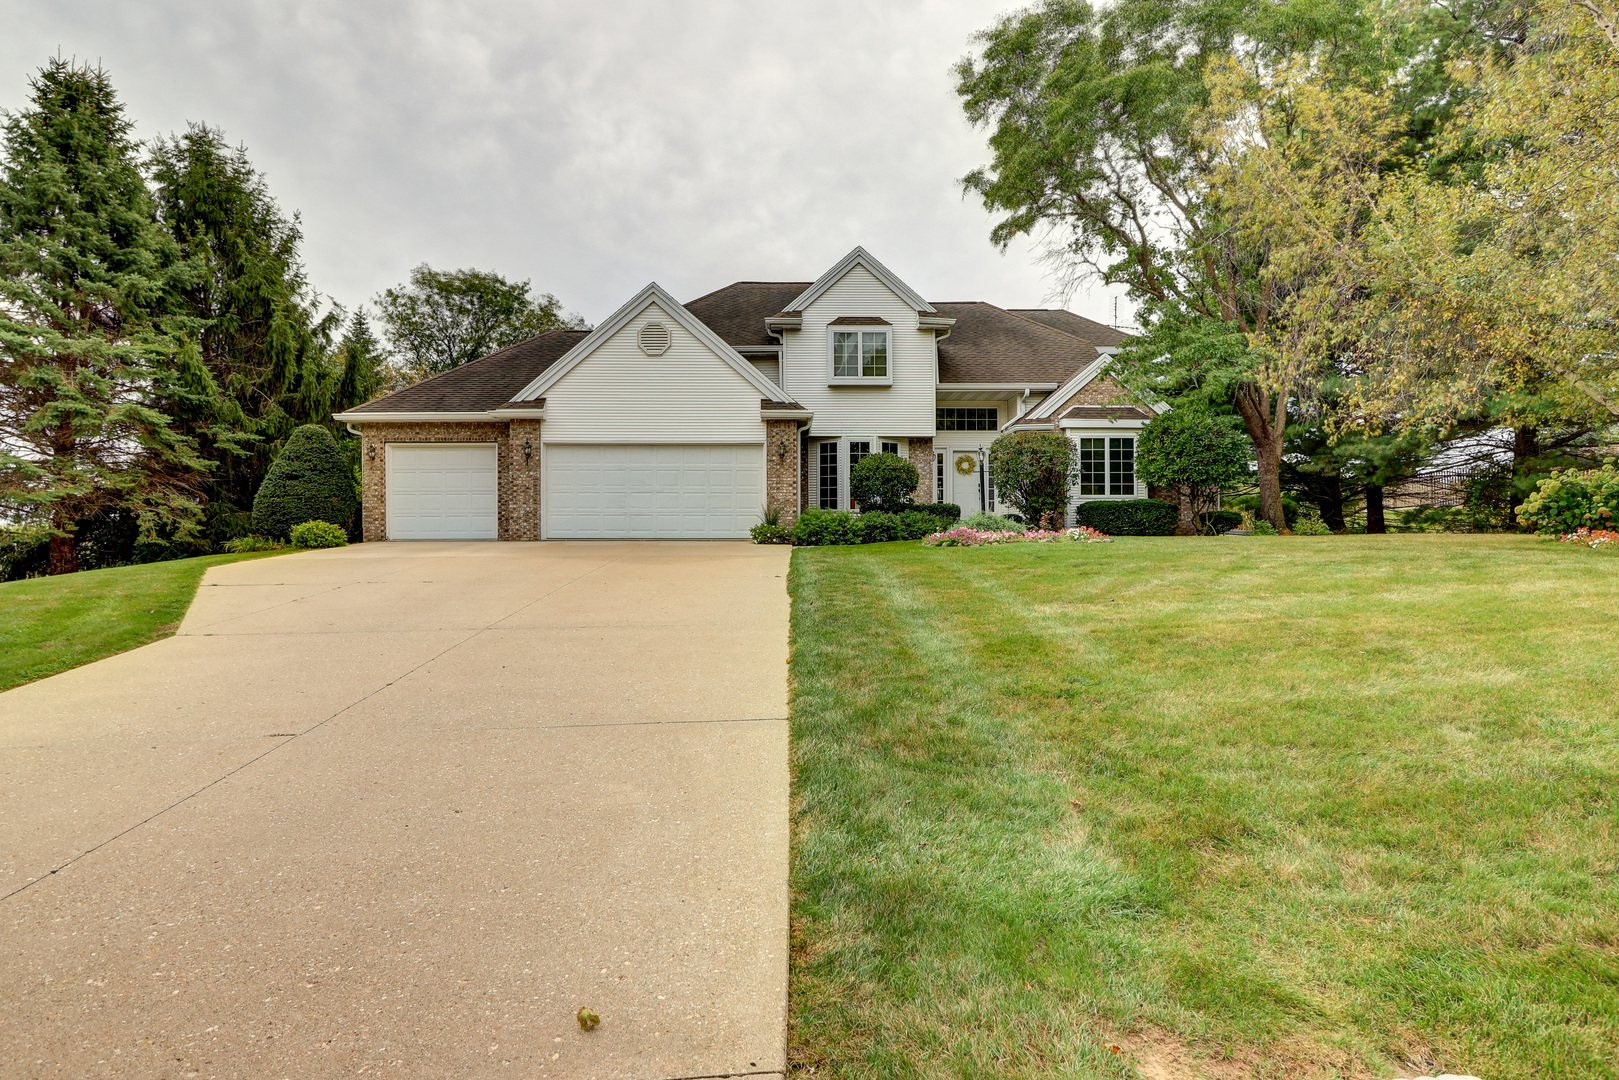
[
  {"x": 55, "y": 623},
  {"x": 1335, "y": 807}
]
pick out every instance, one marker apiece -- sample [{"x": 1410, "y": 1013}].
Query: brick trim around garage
[{"x": 512, "y": 484}]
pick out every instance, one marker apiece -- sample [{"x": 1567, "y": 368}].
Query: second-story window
[{"x": 860, "y": 354}]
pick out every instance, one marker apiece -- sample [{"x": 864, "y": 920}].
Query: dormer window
[{"x": 859, "y": 350}]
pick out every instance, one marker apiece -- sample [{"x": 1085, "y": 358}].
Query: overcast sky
[{"x": 589, "y": 146}]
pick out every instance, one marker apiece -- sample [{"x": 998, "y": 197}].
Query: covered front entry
[
  {"x": 443, "y": 491},
  {"x": 653, "y": 491}
]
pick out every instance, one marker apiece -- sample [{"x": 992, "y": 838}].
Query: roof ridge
[{"x": 1099, "y": 325}]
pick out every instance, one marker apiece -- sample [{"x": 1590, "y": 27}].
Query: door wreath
[{"x": 965, "y": 464}]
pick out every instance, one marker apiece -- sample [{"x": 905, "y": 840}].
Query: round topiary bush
[
  {"x": 309, "y": 481},
  {"x": 1033, "y": 471},
  {"x": 883, "y": 482}
]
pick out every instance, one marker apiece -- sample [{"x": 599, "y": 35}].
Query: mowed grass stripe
[{"x": 1331, "y": 806}]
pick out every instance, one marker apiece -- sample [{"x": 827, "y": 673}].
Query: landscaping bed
[{"x": 1327, "y": 806}]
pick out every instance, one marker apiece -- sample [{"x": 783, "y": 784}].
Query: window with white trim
[
  {"x": 860, "y": 354},
  {"x": 891, "y": 448},
  {"x": 938, "y": 481},
  {"x": 956, "y": 419},
  {"x": 827, "y": 475},
  {"x": 1107, "y": 466}
]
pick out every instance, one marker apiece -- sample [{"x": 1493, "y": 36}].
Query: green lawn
[
  {"x": 51, "y": 624},
  {"x": 1308, "y": 806}
]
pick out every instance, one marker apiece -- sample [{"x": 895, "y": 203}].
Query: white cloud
[{"x": 589, "y": 146}]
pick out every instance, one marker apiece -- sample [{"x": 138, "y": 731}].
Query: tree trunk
[
  {"x": 1268, "y": 432},
  {"x": 1374, "y": 509},
  {"x": 1332, "y": 506},
  {"x": 64, "y": 556},
  {"x": 1186, "y": 497},
  {"x": 1525, "y": 448}
]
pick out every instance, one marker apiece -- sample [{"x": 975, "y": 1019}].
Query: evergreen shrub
[
  {"x": 1219, "y": 521},
  {"x": 882, "y": 482},
  {"x": 877, "y": 526},
  {"x": 993, "y": 523},
  {"x": 819, "y": 528},
  {"x": 947, "y": 511},
  {"x": 318, "y": 534},
  {"x": 915, "y": 524},
  {"x": 1129, "y": 517},
  {"x": 309, "y": 481}
]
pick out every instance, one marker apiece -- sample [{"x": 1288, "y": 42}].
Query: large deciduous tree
[
  {"x": 85, "y": 364},
  {"x": 443, "y": 318}
]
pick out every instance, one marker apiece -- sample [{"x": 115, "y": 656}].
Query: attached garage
[
  {"x": 443, "y": 491},
  {"x": 653, "y": 491}
]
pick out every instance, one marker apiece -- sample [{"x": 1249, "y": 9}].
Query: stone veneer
[
  {"x": 782, "y": 469},
  {"x": 921, "y": 455},
  {"x": 1103, "y": 391}
]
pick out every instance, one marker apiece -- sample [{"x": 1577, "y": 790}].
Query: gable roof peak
[{"x": 864, "y": 259}]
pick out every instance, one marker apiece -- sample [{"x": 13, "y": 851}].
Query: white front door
[
  {"x": 963, "y": 488},
  {"x": 442, "y": 491},
  {"x": 653, "y": 491}
]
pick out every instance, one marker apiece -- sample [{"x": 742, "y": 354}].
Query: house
[{"x": 689, "y": 420}]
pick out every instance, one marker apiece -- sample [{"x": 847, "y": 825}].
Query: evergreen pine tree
[
  {"x": 84, "y": 364},
  {"x": 259, "y": 339}
]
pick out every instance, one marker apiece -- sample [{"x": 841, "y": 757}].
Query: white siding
[
  {"x": 904, "y": 409},
  {"x": 769, "y": 367},
  {"x": 619, "y": 394}
]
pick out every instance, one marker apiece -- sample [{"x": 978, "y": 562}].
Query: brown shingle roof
[
  {"x": 737, "y": 313},
  {"x": 992, "y": 345},
  {"x": 1086, "y": 330},
  {"x": 482, "y": 384}
]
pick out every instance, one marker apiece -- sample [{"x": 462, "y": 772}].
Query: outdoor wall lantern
[
  {"x": 781, "y": 451},
  {"x": 528, "y": 452},
  {"x": 371, "y": 452}
]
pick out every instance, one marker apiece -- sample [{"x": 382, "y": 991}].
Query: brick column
[
  {"x": 781, "y": 469},
  {"x": 921, "y": 454},
  {"x": 520, "y": 482}
]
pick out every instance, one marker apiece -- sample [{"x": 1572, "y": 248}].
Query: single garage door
[
  {"x": 442, "y": 491},
  {"x": 708, "y": 492}
]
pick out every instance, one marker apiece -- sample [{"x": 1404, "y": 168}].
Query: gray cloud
[{"x": 591, "y": 147}]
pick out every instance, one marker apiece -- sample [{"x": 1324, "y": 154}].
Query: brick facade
[
  {"x": 921, "y": 455},
  {"x": 783, "y": 470},
  {"x": 1102, "y": 391}
]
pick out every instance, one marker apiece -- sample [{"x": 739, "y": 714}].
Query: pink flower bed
[
  {"x": 1590, "y": 537},
  {"x": 964, "y": 537}
]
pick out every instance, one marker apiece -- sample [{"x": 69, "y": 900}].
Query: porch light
[
  {"x": 371, "y": 452},
  {"x": 528, "y": 452}
]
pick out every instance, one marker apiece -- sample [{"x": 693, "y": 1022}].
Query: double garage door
[{"x": 439, "y": 491}]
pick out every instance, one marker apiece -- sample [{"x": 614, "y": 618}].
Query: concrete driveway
[{"x": 400, "y": 810}]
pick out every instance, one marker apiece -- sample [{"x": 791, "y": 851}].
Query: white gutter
[{"x": 493, "y": 416}]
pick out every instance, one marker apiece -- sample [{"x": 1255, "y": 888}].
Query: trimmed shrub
[
  {"x": 993, "y": 523},
  {"x": 1033, "y": 470},
  {"x": 1573, "y": 499},
  {"x": 882, "y": 482},
  {"x": 1264, "y": 528},
  {"x": 877, "y": 527},
  {"x": 820, "y": 528},
  {"x": 767, "y": 533},
  {"x": 915, "y": 524},
  {"x": 1219, "y": 521},
  {"x": 1129, "y": 517},
  {"x": 251, "y": 543},
  {"x": 318, "y": 534},
  {"x": 309, "y": 481},
  {"x": 947, "y": 511}
]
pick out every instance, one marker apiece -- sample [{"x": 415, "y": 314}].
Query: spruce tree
[
  {"x": 258, "y": 336},
  {"x": 84, "y": 361}
]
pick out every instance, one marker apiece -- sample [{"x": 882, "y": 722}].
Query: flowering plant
[
  {"x": 1573, "y": 499},
  {"x": 1590, "y": 537},
  {"x": 967, "y": 537}
]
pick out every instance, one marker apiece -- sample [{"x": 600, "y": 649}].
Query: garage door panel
[
  {"x": 442, "y": 492},
  {"x": 645, "y": 491}
]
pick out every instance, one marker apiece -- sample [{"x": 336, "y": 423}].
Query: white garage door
[
  {"x": 442, "y": 491},
  {"x": 709, "y": 492}
]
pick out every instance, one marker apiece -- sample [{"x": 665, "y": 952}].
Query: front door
[{"x": 964, "y": 480}]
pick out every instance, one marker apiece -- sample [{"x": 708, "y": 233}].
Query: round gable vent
[{"x": 654, "y": 339}]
